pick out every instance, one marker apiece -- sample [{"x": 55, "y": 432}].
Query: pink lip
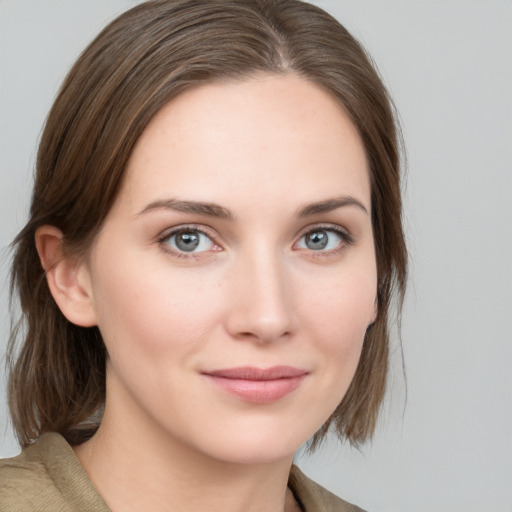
[{"x": 256, "y": 385}]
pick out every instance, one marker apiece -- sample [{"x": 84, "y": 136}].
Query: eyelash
[
  {"x": 346, "y": 240},
  {"x": 164, "y": 239}
]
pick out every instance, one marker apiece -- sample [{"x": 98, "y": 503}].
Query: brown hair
[{"x": 136, "y": 65}]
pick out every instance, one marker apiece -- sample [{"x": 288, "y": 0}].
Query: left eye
[
  {"x": 189, "y": 240},
  {"x": 320, "y": 240}
]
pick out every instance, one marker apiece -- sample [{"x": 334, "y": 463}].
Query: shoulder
[
  {"x": 23, "y": 479},
  {"x": 46, "y": 476},
  {"x": 12, "y": 498},
  {"x": 314, "y": 497}
]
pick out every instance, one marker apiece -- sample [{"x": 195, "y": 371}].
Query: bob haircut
[{"x": 136, "y": 65}]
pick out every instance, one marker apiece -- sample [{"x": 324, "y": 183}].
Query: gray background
[{"x": 449, "y": 66}]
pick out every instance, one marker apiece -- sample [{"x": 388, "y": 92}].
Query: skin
[{"x": 254, "y": 293}]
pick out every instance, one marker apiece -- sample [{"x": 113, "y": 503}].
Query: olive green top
[{"x": 48, "y": 477}]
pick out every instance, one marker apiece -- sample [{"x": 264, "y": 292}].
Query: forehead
[{"x": 259, "y": 136}]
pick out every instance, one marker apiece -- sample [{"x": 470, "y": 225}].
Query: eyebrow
[
  {"x": 208, "y": 209},
  {"x": 329, "y": 205},
  {"x": 217, "y": 211}
]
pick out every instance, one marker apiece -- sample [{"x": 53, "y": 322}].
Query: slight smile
[{"x": 256, "y": 385}]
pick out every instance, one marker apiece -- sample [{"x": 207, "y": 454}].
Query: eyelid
[
  {"x": 344, "y": 232},
  {"x": 346, "y": 236},
  {"x": 165, "y": 235}
]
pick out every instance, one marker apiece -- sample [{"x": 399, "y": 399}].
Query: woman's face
[{"x": 235, "y": 276}]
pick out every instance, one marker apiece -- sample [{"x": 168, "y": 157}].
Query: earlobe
[
  {"x": 375, "y": 313},
  {"x": 68, "y": 278}
]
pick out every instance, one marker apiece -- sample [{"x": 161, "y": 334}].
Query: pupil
[
  {"x": 187, "y": 241},
  {"x": 316, "y": 240}
]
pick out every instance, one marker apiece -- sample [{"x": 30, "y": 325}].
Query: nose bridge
[{"x": 262, "y": 299}]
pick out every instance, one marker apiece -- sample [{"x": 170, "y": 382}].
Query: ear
[
  {"x": 68, "y": 278},
  {"x": 375, "y": 314},
  {"x": 375, "y": 310}
]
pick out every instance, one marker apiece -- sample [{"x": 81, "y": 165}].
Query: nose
[{"x": 261, "y": 298}]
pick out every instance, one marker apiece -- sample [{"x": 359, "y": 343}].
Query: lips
[{"x": 256, "y": 385}]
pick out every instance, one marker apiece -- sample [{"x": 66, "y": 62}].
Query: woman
[{"x": 206, "y": 275}]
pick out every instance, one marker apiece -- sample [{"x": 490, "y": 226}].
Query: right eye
[{"x": 188, "y": 241}]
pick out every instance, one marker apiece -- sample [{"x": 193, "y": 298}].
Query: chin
[
  {"x": 254, "y": 453},
  {"x": 255, "y": 442}
]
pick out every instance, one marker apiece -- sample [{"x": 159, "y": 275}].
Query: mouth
[{"x": 256, "y": 385}]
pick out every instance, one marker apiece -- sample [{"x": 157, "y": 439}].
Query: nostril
[{"x": 263, "y": 335}]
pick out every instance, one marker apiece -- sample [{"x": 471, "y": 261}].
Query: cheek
[
  {"x": 153, "y": 312},
  {"x": 341, "y": 316},
  {"x": 345, "y": 304},
  {"x": 336, "y": 324}
]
